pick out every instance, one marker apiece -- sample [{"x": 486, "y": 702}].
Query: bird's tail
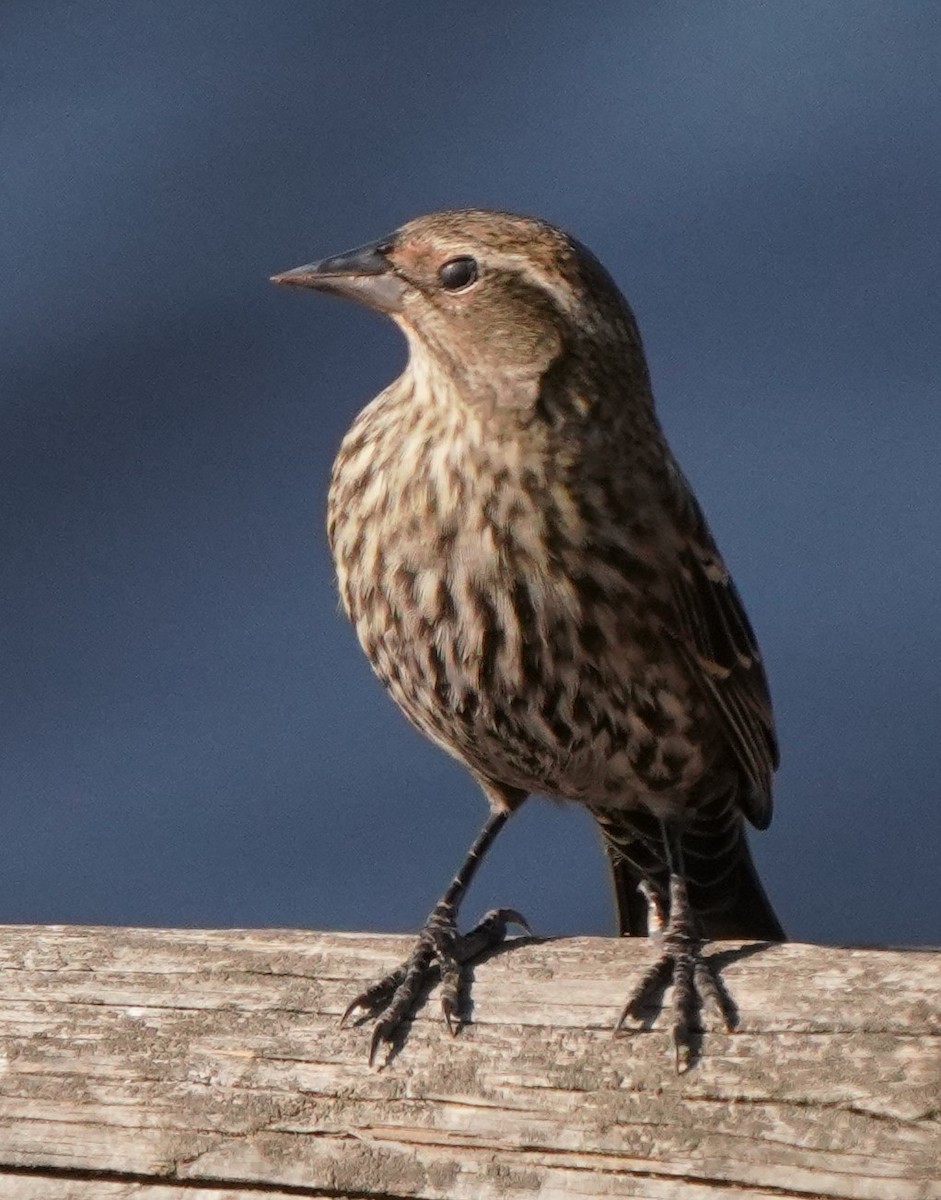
[{"x": 724, "y": 890}]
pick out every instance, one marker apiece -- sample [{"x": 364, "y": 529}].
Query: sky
[{"x": 189, "y": 733}]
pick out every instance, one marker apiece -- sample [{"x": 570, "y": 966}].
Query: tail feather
[{"x": 723, "y": 885}]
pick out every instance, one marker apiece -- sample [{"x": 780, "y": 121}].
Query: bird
[{"x": 533, "y": 580}]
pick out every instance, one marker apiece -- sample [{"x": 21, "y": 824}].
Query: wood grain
[{"x": 145, "y": 1064}]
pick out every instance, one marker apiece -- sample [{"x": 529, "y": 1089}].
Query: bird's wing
[{"x": 716, "y": 638}]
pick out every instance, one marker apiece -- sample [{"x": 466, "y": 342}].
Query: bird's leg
[
  {"x": 694, "y": 977},
  {"x": 439, "y": 951},
  {"x": 656, "y": 906}
]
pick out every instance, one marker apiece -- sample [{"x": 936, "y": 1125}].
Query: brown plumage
[{"x": 533, "y": 581}]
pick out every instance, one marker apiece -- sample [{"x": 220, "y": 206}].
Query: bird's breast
[{"x": 511, "y": 630}]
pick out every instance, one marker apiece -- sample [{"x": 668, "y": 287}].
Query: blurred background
[{"x": 189, "y": 734}]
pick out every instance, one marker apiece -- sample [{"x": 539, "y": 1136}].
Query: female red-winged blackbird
[{"x": 533, "y": 581}]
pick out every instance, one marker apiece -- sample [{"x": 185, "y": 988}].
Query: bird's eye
[{"x": 458, "y": 273}]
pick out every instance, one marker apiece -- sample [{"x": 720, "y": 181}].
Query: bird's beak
[{"x": 365, "y": 274}]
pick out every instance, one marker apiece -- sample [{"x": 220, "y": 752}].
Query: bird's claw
[
  {"x": 374, "y": 998},
  {"x": 442, "y": 951},
  {"x": 695, "y": 981}
]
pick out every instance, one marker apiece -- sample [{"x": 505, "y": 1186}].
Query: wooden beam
[{"x": 146, "y": 1064}]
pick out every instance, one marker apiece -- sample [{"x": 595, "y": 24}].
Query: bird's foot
[
  {"x": 695, "y": 979},
  {"x": 440, "y": 952}
]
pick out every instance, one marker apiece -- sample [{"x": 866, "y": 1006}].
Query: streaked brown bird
[{"x": 533, "y": 581}]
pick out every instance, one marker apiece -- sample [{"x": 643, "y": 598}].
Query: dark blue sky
[{"x": 189, "y": 732}]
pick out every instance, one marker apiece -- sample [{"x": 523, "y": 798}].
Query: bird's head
[{"x": 497, "y": 299}]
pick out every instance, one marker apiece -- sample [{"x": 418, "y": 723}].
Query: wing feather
[{"x": 717, "y": 639}]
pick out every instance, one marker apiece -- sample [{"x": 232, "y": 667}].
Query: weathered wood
[{"x": 137, "y": 1064}]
